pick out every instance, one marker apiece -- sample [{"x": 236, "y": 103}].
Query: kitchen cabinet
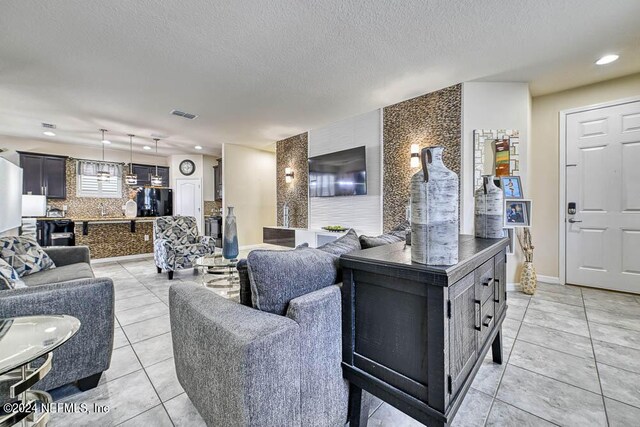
[
  {"x": 144, "y": 173},
  {"x": 44, "y": 175},
  {"x": 217, "y": 181}
]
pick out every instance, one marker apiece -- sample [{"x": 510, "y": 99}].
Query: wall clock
[{"x": 187, "y": 167}]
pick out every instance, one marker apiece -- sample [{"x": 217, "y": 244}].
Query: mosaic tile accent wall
[
  {"x": 104, "y": 240},
  {"x": 113, "y": 240},
  {"x": 88, "y": 206},
  {"x": 428, "y": 120},
  {"x": 293, "y": 153},
  {"x": 212, "y": 205}
]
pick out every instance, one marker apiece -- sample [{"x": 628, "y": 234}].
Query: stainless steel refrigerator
[{"x": 155, "y": 202}]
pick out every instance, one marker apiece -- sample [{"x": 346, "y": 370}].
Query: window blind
[{"x": 88, "y": 184}]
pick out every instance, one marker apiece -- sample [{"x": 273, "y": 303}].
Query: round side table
[
  {"x": 218, "y": 272},
  {"x": 22, "y": 341}
]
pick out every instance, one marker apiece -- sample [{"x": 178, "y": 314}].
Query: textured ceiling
[{"x": 258, "y": 71}]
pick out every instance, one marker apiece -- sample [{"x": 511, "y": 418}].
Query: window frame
[{"x": 100, "y": 193}]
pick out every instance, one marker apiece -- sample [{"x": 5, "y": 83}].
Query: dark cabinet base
[
  {"x": 360, "y": 380},
  {"x": 279, "y": 236},
  {"x": 415, "y": 335}
]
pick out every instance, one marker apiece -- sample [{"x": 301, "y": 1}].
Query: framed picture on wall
[
  {"x": 517, "y": 213},
  {"x": 511, "y": 187}
]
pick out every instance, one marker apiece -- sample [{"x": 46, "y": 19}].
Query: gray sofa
[
  {"x": 274, "y": 361},
  {"x": 72, "y": 289}
]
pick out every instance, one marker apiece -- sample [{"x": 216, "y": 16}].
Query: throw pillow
[
  {"x": 245, "y": 282},
  {"x": 25, "y": 255},
  {"x": 343, "y": 245},
  {"x": 277, "y": 277},
  {"x": 9, "y": 279},
  {"x": 384, "y": 239}
]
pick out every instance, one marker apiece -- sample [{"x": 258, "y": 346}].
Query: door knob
[{"x": 573, "y": 221}]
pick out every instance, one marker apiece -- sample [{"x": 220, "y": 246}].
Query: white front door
[
  {"x": 189, "y": 199},
  {"x": 603, "y": 180}
]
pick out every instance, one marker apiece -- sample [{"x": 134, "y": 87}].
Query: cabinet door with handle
[
  {"x": 500, "y": 291},
  {"x": 55, "y": 177},
  {"x": 33, "y": 179},
  {"x": 164, "y": 173},
  {"x": 144, "y": 174},
  {"x": 217, "y": 178},
  {"x": 463, "y": 327}
]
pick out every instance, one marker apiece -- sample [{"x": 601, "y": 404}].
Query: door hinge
[
  {"x": 449, "y": 309},
  {"x": 449, "y": 384}
]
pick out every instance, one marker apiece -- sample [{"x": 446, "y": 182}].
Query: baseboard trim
[
  {"x": 513, "y": 286},
  {"x": 121, "y": 258},
  {"x": 548, "y": 279}
]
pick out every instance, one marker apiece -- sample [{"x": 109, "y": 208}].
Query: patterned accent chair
[{"x": 176, "y": 243}]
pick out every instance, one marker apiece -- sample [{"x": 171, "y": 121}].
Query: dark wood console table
[{"x": 415, "y": 335}]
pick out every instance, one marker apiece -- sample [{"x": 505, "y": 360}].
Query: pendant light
[
  {"x": 131, "y": 178},
  {"x": 156, "y": 180},
  {"x": 103, "y": 175}
]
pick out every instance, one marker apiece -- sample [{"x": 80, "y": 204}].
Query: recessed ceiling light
[
  {"x": 607, "y": 59},
  {"x": 146, "y": 147},
  {"x": 198, "y": 147},
  {"x": 106, "y": 141},
  {"x": 49, "y": 133}
]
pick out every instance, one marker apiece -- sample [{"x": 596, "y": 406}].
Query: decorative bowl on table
[{"x": 335, "y": 228}]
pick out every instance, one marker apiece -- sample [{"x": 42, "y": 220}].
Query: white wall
[
  {"x": 364, "y": 213},
  {"x": 91, "y": 152},
  {"x": 489, "y": 105},
  {"x": 249, "y": 185}
]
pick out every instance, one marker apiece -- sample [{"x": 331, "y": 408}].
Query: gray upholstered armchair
[
  {"x": 71, "y": 289},
  {"x": 245, "y": 367},
  {"x": 276, "y": 362},
  {"x": 176, "y": 243}
]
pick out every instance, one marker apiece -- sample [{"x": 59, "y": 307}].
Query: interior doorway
[{"x": 189, "y": 199}]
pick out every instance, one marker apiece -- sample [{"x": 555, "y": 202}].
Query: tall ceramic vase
[
  {"x": 434, "y": 211},
  {"x": 230, "y": 242},
  {"x": 488, "y": 211}
]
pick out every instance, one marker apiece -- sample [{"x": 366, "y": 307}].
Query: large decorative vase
[
  {"x": 488, "y": 211},
  {"x": 434, "y": 211},
  {"x": 230, "y": 241},
  {"x": 528, "y": 278},
  {"x": 131, "y": 209}
]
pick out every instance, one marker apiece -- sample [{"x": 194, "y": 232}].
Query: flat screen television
[{"x": 343, "y": 173}]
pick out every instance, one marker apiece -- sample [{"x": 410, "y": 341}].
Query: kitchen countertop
[
  {"x": 313, "y": 230},
  {"x": 99, "y": 219}
]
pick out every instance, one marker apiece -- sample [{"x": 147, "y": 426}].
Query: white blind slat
[{"x": 89, "y": 186}]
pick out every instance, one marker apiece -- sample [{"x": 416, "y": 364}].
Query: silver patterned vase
[
  {"x": 230, "y": 248},
  {"x": 489, "y": 201},
  {"x": 434, "y": 211}
]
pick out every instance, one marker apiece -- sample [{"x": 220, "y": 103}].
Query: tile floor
[{"x": 572, "y": 359}]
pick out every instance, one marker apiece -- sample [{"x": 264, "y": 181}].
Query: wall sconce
[
  {"x": 288, "y": 175},
  {"x": 415, "y": 155}
]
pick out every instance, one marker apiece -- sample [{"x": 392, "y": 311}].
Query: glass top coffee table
[
  {"x": 219, "y": 274},
  {"x": 24, "y": 340}
]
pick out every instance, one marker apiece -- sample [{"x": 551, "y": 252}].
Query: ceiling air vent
[
  {"x": 48, "y": 126},
  {"x": 183, "y": 114}
]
